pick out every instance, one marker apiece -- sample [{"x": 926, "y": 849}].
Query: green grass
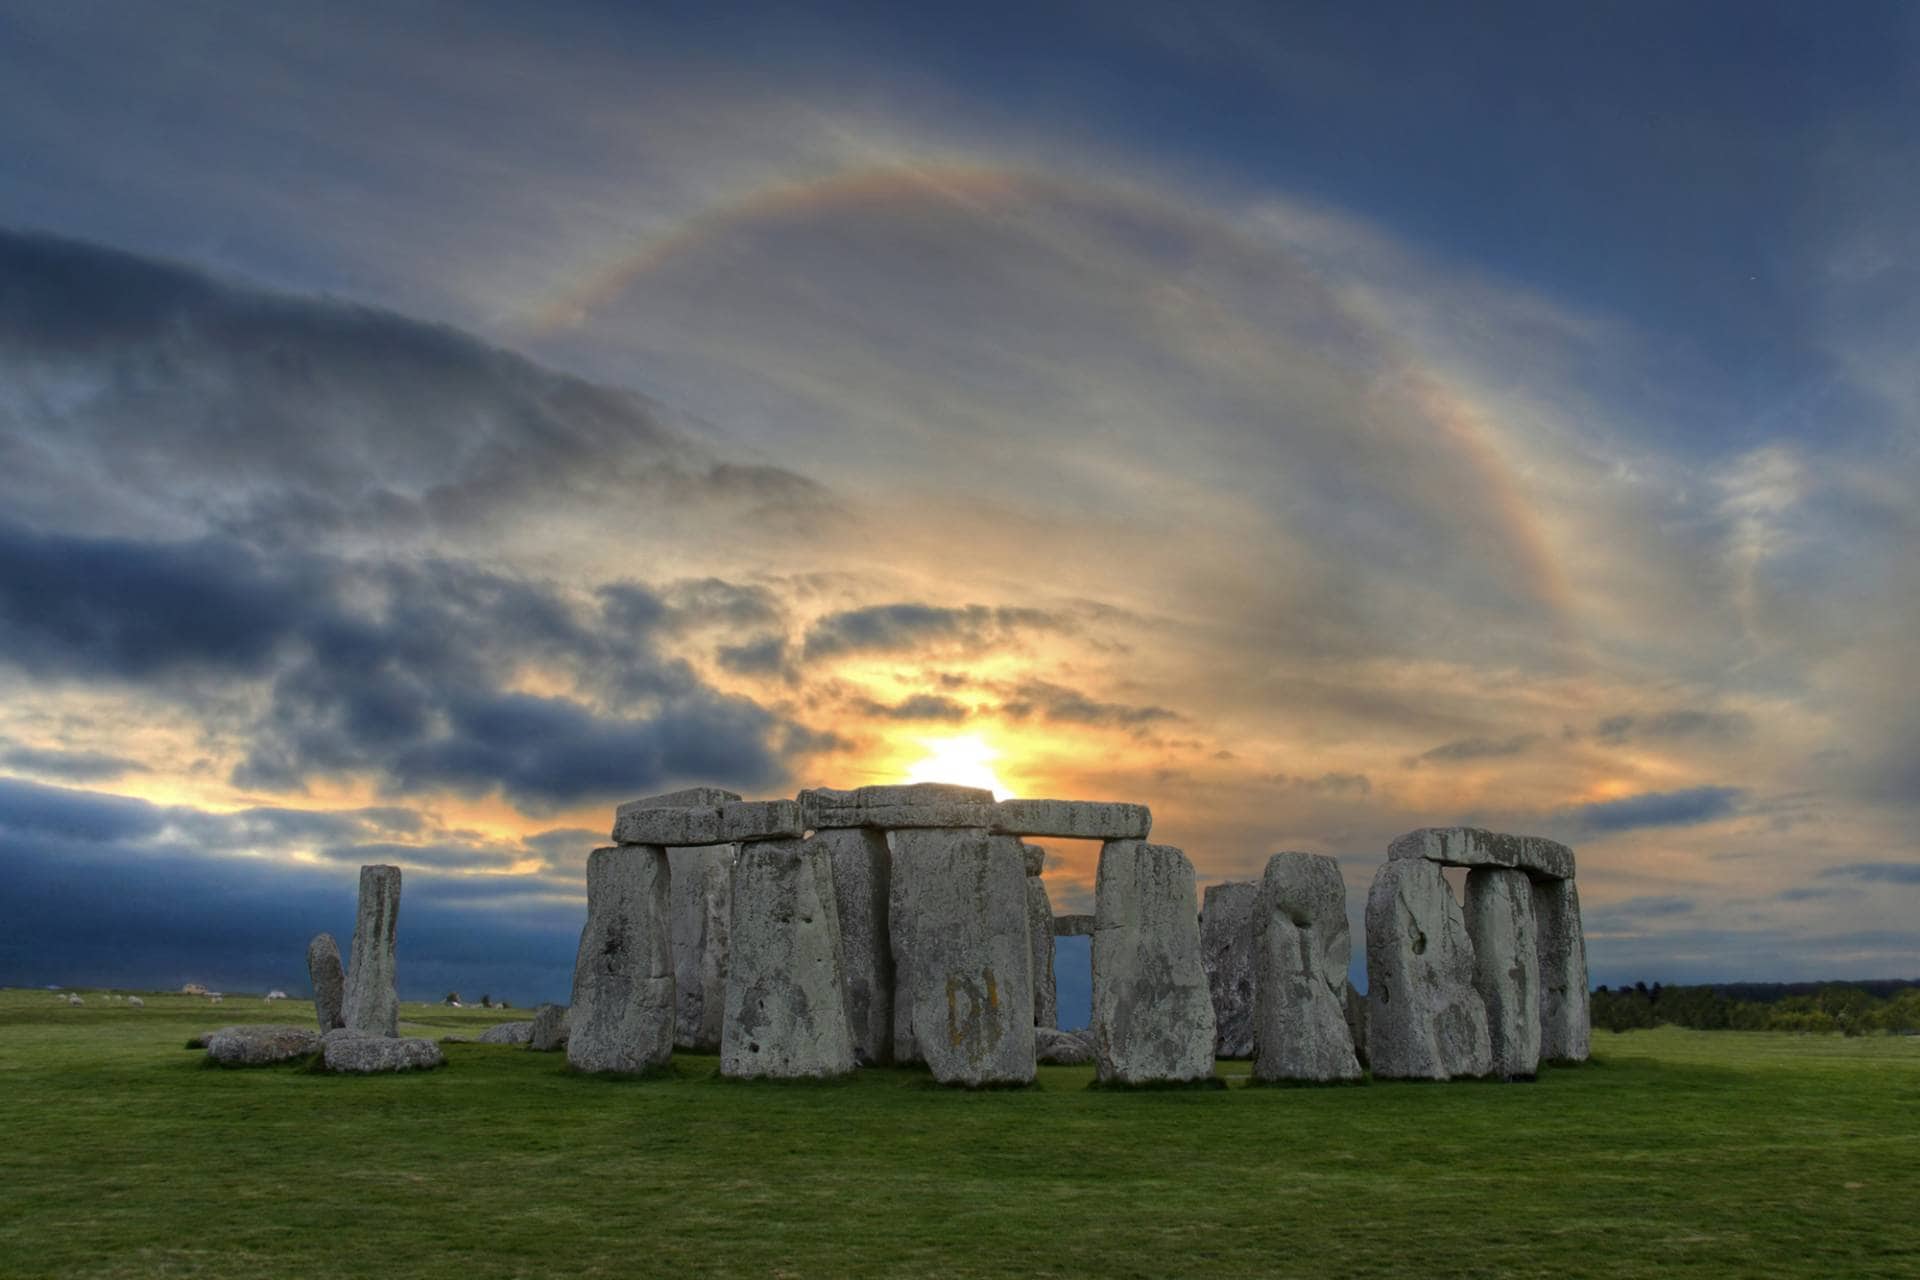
[{"x": 1673, "y": 1153}]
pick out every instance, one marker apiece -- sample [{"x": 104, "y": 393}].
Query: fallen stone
[
  {"x": 1565, "y": 1026},
  {"x": 508, "y": 1033},
  {"x": 346, "y": 1050},
  {"x": 622, "y": 1012},
  {"x": 700, "y": 902},
  {"x": 890, "y": 808},
  {"x": 1073, "y": 926},
  {"x": 1152, "y": 1015},
  {"x": 1356, "y": 1003},
  {"x": 730, "y": 823},
  {"x": 1040, "y": 938},
  {"x": 1474, "y": 847},
  {"x": 549, "y": 1028},
  {"x": 862, "y": 869},
  {"x": 256, "y": 1046},
  {"x": 1424, "y": 1019},
  {"x": 1506, "y": 967},
  {"x": 329, "y": 981},
  {"x": 963, "y": 982},
  {"x": 1062, "y": 1048},
  {"x": 1226, "y": 949},
  {"x": 371, "y": 1004},
  {"x": 1301, "y": 948},
  {"x": 1072, "y": 819},
  {"x": 786, "y": 1011}
]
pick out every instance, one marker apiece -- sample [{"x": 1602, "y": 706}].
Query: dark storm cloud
[
  {"x": 765, "y": 656},
  {"x": 1655, "y": 809},
  {"x": 1877, "y": 872},
  {"x": 1476, "y": 749},
  {"x": 893, "y": 628},
  {"x": 1684, "y": 723},
  {"x": 152, "y": 392},
  {"x": 72, "y": 766},
  {"x": 399, "y": 670},
  {"x": 1061, "y": 705},
  {"x": 109, "y": 890}
]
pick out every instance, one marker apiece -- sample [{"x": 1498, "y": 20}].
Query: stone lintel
[
  {"x": 1073, "y": 926},
  {"x": 729, "y": 823},
  {"x": 1539, "y": 857},
  {"x": 904, "y": 807},
  {"x": 1073, "y": 819}
]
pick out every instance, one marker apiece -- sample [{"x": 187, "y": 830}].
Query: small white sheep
[
  {"x": 136, "y": 1002},
  {"x": 72, "y": 1000}
]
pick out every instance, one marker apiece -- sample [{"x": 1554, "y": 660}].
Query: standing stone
[
  {"x": 549, "y": 1028},
  {"x": 861, "y": 873},
  {"x": 1226, "y": 947},
  {"x": 1424, "y": 1019},
  {"x": 329, "y": 983},
  {"x": 372, "y": 1006},
  {"x": 1357, "y": 1022},
  {"x": 622, "y": 1012},
  {"x": 701, "y": 904},
  {"x": 963, "y": 981},
  {"x": 1506, "y": 967},
  {"x": 1046, "y": 1003},
  {"x": 1152, "y": 1015},
  {"x": 1301, "y": 948},
  {"x": 1565, "y": 1029},
  {"x": 786, "y": 1011}
]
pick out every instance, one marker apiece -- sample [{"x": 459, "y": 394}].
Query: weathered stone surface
[
  {"x": 1474, "y": 847},
  {"x": 914, "y": 804},
  {"x": 862, "y": 869},
  {"x": 730, "y": 823},
  {"x": 963, "y": 982},
  {"x": 1424, "y": 1019},
  {"x": 1073, "y": 926},
  {"x": 1062, "y": 1048},
  {"x": 347, "y": 1050},
  {"x": 685, "y": 798},
  {"x": 786, "y": 1012},
  {"x": 1036, "y": 857},
  {"x": 1301, "y": 948},
  {"x": 329, "y": 981},
  {"x": 372, "y": 1005},
  {"x": 1226, "y": 949},
  {"x": 1356, "y": 1004},
  {"x": 700, "y": 902},
  {"x": 1152, "y": 1015},
  {"x": 622, "y": 1011},
  {"x": 549, "y": 1028},
  {"x": 1506, "y": 967},
  {"x": 1040, "y": 939},
  {"x": 1073, "y": 819},
  {"x": 253, "y": 1046},
  {"x": 508, "y": 1033},
  {"x": 1565, "y": 1029}
]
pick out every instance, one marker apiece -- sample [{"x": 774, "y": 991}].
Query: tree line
[{"x": 1850, "y": 1008}]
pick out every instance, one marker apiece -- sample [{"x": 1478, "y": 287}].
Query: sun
[{"x": 966, "y": 761}]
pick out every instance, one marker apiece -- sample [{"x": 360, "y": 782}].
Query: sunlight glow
[{"x": 966, "y": 761}]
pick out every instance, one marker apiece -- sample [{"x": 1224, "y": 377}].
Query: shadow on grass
[{"x": 1202, "y": 1085}]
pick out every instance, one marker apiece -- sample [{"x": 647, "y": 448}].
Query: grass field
[{"x": 1673, "y": 1152}]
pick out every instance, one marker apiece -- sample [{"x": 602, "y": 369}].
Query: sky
[{"x": 424, "y": 426}]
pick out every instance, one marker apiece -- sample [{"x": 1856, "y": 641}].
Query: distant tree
[
  {"x": 486, "y": 1002},
  {"x": 453, "y": 997}
]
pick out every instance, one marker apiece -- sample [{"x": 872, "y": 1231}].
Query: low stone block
[
  {"x": 1062, "y": 1048},
  {"x": 1425, "y": 1021},
  {"x": 1073, "y": 819},
  {"x": 353, "y": 1053},
  {"x": 1302, "y": 945},
  {"x": 730, "y": 823},
  {"x": 963, "y": 983},
  {"x": 1474, "y": 847},
  {"x": 1226, "y": 948},
  {"x": 623, "y": 1010},
  {"x": 862, "y": 872},
  {"x": 256, "y": 1046},
  {"x": 889, "y": 808},
  {"x": 329, "y": 981},
  {"x": 1152, "y": 1015},
  {"x": 549, "y": 1028},
  {"x": 1565, "y": 1026},
  {"x": 786, "y": 1011},
  {"x": 508, "y": 1033},
  {"x": 1073, "y": 926}
]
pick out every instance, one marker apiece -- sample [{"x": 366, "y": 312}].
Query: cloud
[
  {"x": 1058, "y": 704},
  {"x": 1877, "y": 872},
  {"x": 1655, "y": 809},
  {"x": 921, "y": 706},
  {"x": 763, "y": 656},
  {"x": 1718, "y": 726},
  {"x": 895, "y": 628},
  {"x": 71, "y": 766},
  {"x": 1475, "y": 749},
  {"x": 1337, "y": 784}
]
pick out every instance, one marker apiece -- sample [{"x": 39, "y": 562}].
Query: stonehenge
[
  {"x": 1301, "y": 947},
  {"x": 622, "y": 1008},
  {"x": 786, "y": 1001},
  {"x": 1424, "y": 1018},
  {"x": 862, "y": 870},
  {"x": 1564, "y": 999},
  {"x": 1506, "y": 967},
  {"x": 329, "y": 981},
  {"x": 700, "y": 905},
  {"x": 1226, "y": 947},
  {"x": 1152, "y": 1013},
  {"x": 371, "y": 1005}
]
